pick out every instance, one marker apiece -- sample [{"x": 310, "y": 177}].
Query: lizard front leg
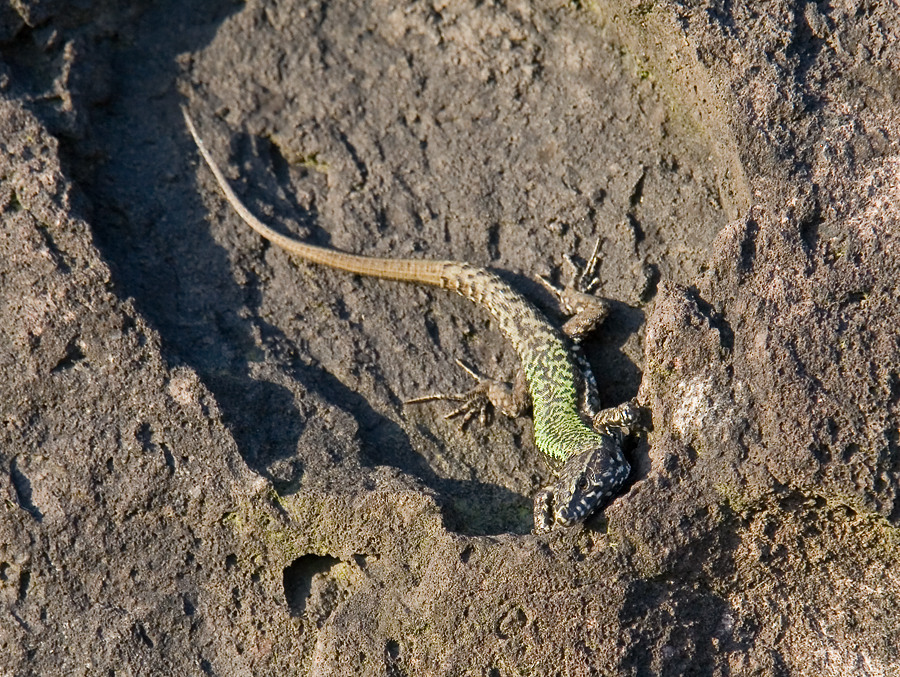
[{"x": 485, "y": 397}]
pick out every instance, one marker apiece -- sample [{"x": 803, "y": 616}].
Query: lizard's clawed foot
[
  {"x": 577, "y": 297},
  {"x": 584, "y": 277},
  {"x": 479, "y": 402},
  {"x": 543, "y": 511},
  {"x": 627, "y": 417}
]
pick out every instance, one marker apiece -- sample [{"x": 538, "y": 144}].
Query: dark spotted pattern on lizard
[{"x": 587, "y": 459}]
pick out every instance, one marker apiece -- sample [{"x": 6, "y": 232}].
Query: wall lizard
[{"x": 583, "y": 446}]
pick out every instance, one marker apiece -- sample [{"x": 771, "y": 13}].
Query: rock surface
[{"x": 206, "y": 462}]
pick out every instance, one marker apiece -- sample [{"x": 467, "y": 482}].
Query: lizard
[{"x": 583, "y": 446}]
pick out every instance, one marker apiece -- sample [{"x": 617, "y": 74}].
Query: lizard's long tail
[{"x": 407, "y": 270}]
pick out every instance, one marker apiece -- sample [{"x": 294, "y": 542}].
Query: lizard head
[{"x": 586, "y": 482}]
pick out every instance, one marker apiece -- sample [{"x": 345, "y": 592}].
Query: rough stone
[{"x": 206, "y": 463}]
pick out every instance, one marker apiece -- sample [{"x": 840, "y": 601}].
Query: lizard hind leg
[
  {"x": 577, "y": 299},
  {"x": 481, "y": 400}
]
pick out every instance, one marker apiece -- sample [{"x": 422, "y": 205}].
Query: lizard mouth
[{"x": 570, "y": 514}]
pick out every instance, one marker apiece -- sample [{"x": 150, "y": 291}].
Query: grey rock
[{"x": 206, "y": 463}]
